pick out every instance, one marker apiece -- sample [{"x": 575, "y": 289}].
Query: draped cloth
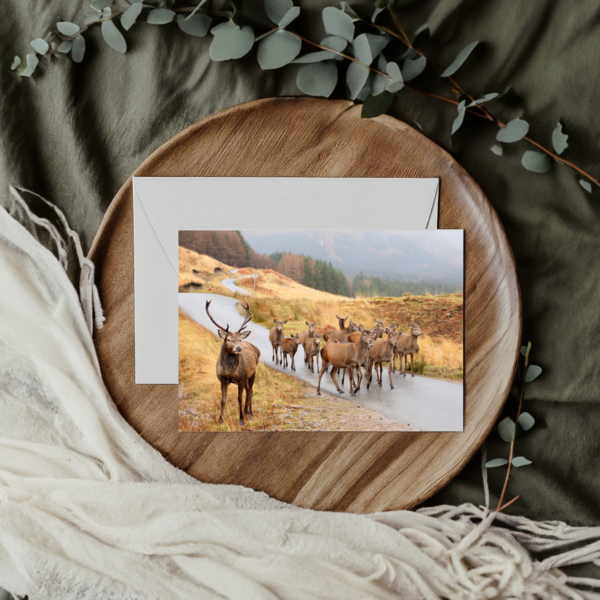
[{"x": 89, "y": 510}]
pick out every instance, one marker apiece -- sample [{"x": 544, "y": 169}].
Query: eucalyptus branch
[{"x": 484, "y": 112}]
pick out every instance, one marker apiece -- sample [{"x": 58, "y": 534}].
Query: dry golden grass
[
  {"x": 205, "y": 276},
  {"x": 281, "y": 402},
  {"x": 439, "y": 355}
]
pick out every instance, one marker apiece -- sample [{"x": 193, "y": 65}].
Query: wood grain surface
[{"x": 357, "y": 472}]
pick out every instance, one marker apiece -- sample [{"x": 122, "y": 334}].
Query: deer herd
[{"x": 351, "y": 349}]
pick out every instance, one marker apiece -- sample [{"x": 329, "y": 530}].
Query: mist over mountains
[{"x": 421, "y": 255}]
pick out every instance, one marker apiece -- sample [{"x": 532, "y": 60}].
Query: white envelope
[{"x": 162, "y": 206}]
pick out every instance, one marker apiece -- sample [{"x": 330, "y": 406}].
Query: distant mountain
[{"x": 387, "y": 254}]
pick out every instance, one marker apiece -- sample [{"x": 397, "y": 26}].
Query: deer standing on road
[
  {"x": 345, "y": 356},
  {"x": 275, "y": 337},
  {"x": 311, "y": 349},
  {"x": 407, "y": 346},
  {"x": 236, "y": 364},
  {"x": 289, "y": 345},
  {"x": 382, "y": 351},
  {"x": 307, "y": 333}
]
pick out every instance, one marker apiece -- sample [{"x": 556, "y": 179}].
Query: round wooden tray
[{"x": 358, "y": 472}]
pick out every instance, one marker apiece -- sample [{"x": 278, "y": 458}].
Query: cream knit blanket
[{"x": 89, "y": 510}]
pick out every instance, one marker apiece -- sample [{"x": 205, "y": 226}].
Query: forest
[
  {"x": 369, "y": 287},
  {"x": 231, "y": 248}
]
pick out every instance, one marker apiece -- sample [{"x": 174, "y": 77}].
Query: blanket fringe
[{"x": 88, "y": 292}]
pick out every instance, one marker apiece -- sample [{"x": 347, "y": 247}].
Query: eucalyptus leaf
[
  {"x": 100, "y": 4},
  {"x": 229, "y": 42},
  {"x": 318, "y": 79},
  {"x": 536, "y": 162},
  {"x": 78, "y": 49},
  {"x": 338, "y": 23},
  {"x": 113, "y": 37},
  {"x": 378, "y": 84},
  {"x": 559, "y": 139},
  {"x": 533, "y": 372},
  {"x": 289, "y": 16},
  {"x": 333, "y": 42},
  {"x": 507, "y": 429},
  {"x": 381, "y": 63},
  {"x": 65, "y": 47},
  {"x": 413, "y": 68},
  {"x": 526, "y": 421},
  {"x": 278, "y": 50},
  {"x": 514, "y": 131},
  {"x": 40, "y": 46},
  {"x": 314, "y": 57},
  {"x": 586, "y": 185},
  {"x": 377, "y": 105},
  {"x": 356, "y": 77},
  {"x": 377, "y": 43},
  {"x": 67, "y": 28},
  {"x": 365, "y": 92},
  {"x": 459, "y": 118},
  {"x": 422, "y": 29},
  {"x": 15, "y": 63},
  {"x": 394, "y": 86},
  {"x": 277, "y": 9},
  {"x": 197, "y": 25},
  {"x": 524, "y": 350},
  {"x": 376, "y": 13},
  {"x": 520, "y": 461},
  {"x": 160, "y": 16},
  {"x": 362, "y": 49},
  {"x": 349, "y": 11},
  {"x": 495, "y": 462},
  {"x": 106, "y": 12},
  {"x": 31, "y": 63},
  {"x": 409, "y": 53},
  {"x": 497, "y": 149},
  {"x": 393, "y": 70},
  {"x": 459, "y": 60},
  {"x": 129, "y": 17},
  {"x": 484, "y": 99}
]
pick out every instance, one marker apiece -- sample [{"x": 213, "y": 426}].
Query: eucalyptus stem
[
  {"x": 484, "y": 112},
  {"x": 512, "y": 443}
]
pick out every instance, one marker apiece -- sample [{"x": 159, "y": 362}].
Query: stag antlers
[{"x": 247, "y": 319}]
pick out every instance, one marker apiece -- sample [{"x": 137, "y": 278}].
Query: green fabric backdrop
[{"x": 74, "y": 133}]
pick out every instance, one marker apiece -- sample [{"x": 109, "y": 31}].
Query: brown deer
[
  {"x": 236, "y": 364},
  {"x": 380, "y": 328},
  {"x": 290, "y": 346},
  {"x": 310, "y": 332},
  {"x": 382, "y": 351},
  {"x": 407, "y": 346},
  {"x": 345, "y": 356},
  {"x": 354, "y": 338},
  {"x": 311, "y": 349},
  {"x": 342, "y": 322},
  {"x": 275, "y": 337}
]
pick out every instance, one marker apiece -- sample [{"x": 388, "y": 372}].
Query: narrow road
[
  {"x": 230, "y": 284},
  {"x": 427, "y": 404}
]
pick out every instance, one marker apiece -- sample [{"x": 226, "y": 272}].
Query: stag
[
  {"x": 236, "y": 364},
  {"x": 382, "y": 351},
  {"x": 345, "y": 356},
  {"x": 311, "y": 350},
  {"x": 275, "y": 337},
  {"x": 407, "y": 346},
  {"x": 307, "y": 333},
  {"x": 290, "y": 346}
]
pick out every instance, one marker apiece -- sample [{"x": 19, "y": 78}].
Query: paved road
[
  {"x": 230, "y": 284},
  {"x": 427, "y": 404}
]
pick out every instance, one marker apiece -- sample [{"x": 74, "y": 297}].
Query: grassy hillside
[
  {"x": 281, "y": 402},
  {"x": 440, "y": 319}
]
